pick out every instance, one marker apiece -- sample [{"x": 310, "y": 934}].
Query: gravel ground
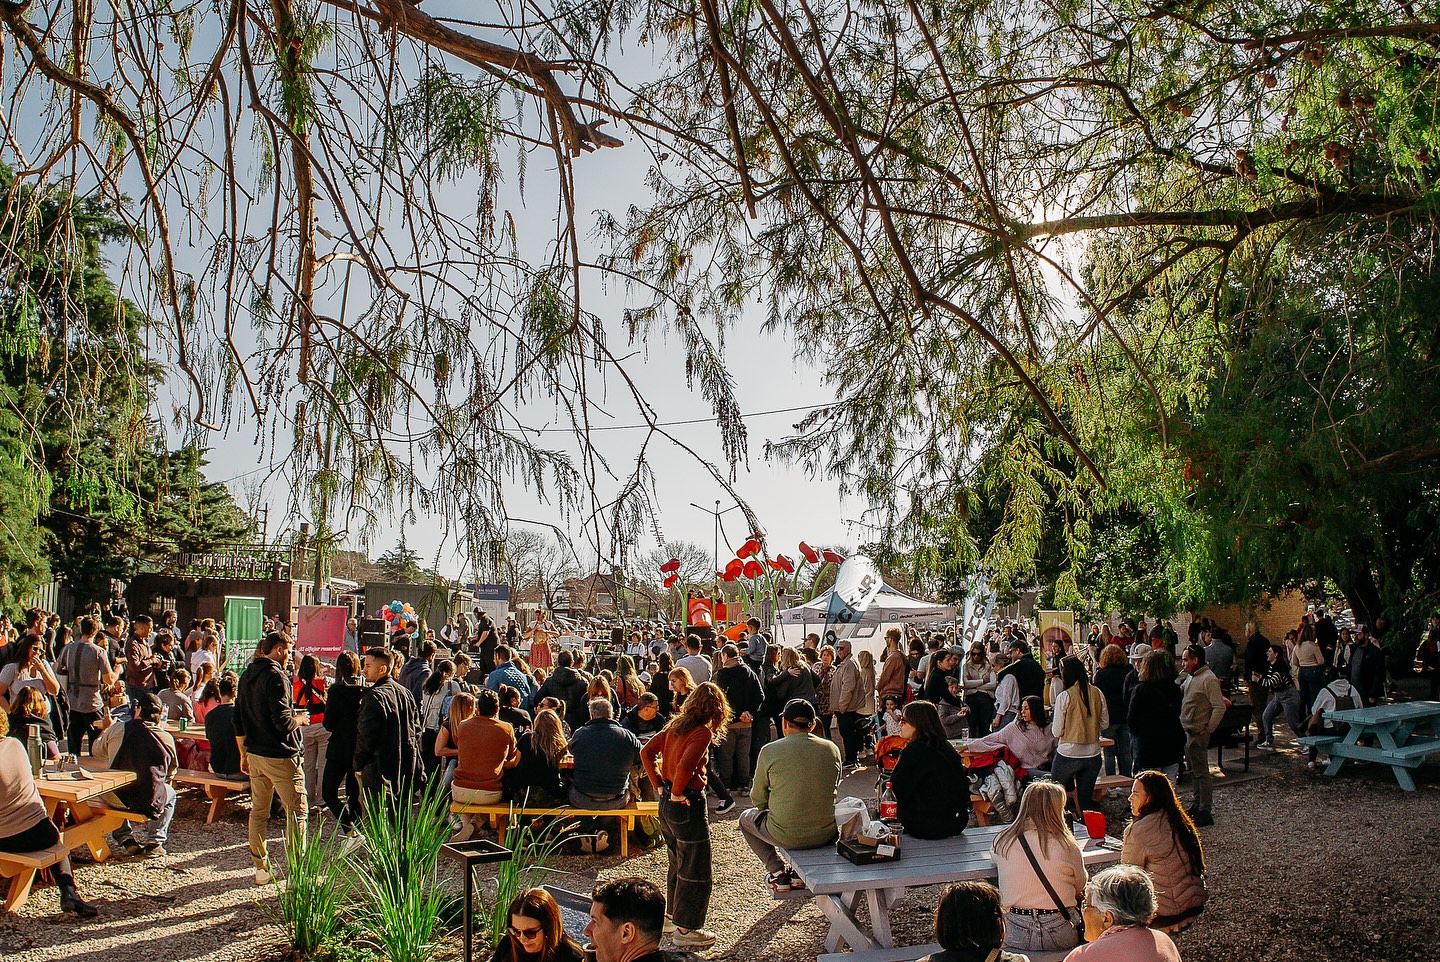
[{"x": 1302, "y": 867}]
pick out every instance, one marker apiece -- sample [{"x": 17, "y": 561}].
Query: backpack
[{"x": 1346, "y": 702}]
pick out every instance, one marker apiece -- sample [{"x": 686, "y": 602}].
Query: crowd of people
[{"x": 490, "y": 713}]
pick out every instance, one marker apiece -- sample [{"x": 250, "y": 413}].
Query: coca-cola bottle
[{"x": 889, "y": 806}]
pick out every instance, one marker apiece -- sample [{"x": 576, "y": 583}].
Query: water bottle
[
  {"x": 34, "y": 749},
  {"x": 889, "y": 806}
]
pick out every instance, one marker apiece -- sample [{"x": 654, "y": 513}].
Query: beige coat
[{"x": 1150, "y": 844}]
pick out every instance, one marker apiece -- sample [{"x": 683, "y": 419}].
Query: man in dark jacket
[
  {"x": 1257, "y": 662},
  {"x": 1029, "y": 675},
  {"x": 416, "y": 671},
  {"x": 1367, "y": 667},
  {"x": 606, "y": 756},
  {"x": 569, "y": 685},
  {"x": 742, "y": 690},
  {"x": 387, "y": 733},
  {"x": 270, "y": 748}
]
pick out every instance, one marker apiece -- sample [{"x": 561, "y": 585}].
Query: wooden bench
[
  {"x": 984, "y": 811},
  {"x": 1104, "y": 783},
  {"x": 502, "y": 812},
  {"x": 909, "y": 953},
  {"x": 21, "y": 868},
  {"x": 217, "y": 788}
]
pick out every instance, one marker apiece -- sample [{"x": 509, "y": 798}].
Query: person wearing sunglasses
[{"x": 535, "y": 933}]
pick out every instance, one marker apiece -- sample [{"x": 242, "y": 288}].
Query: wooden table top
[
  {"x": 195, "y": 731},
  {"x": 77, "y": 787}
]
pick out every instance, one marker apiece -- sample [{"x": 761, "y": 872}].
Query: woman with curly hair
[{"x": 683, "y": 752}]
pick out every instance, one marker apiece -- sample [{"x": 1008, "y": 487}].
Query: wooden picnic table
[
  {"x": 962, "y": 745},
  {"x": 838, "y": 885},
  {"x": 1394, "y": 729},
  {"x": 81, "y": 795},
  {"x": 195, "y": 731}
]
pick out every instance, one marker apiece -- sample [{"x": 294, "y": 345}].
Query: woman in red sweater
[{"x": 683, "y": 750}]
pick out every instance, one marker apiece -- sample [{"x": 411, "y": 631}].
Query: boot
[{"x": 70, "y": 899}]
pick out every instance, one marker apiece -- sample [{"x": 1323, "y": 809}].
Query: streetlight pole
[{"x": 717, "y": 513}]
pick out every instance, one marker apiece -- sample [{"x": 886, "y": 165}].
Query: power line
[{"x": 671, "y": 424}]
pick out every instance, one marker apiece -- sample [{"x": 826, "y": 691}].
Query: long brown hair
[
  {"x": 1160, "y": 797},
  {"x": 547, "y": 737},
  {"x": 704, "y": 707},
  {"x": 539, "y": 906},
  {"x": 1042, "y": 808},
  {"x": 924, "y": 717}
]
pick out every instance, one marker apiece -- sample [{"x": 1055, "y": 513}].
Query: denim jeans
[
  {"x": 1119, "y": 760},
  {"x": 1051, "y": 932},
  {"x": 688, "y": 874},
  {"x": 851, "y": 734},
  {"x": 732, "y": 758},
  {"x": 1312, "y": 679},
  {"x": 155, "y": 831},
  {"x": 1078, "y": 774},
  {"x": 752, "y": 828},
  {"x": 1287, "y": 701}
]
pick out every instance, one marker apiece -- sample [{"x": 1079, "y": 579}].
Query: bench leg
[
  {"x": 217, "y": 803},
  {"x": 1402, "y": 775},
  {"x": 19, "y": 891},
  {"x": 625, "y": 824},
  {"x": 879, "y": 903},
  {"x": 845, "y": 929}
]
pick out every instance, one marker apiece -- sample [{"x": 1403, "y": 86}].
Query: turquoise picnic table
[{"x": 1394, "y": 730}]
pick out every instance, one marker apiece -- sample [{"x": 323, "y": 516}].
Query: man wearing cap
[{"x": 793, "y": 793}]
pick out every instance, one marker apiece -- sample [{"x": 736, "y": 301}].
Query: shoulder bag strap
[{"x": 1040, "y": 873}]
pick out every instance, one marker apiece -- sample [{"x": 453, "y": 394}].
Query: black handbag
[{"x": 1078, "y": 925}]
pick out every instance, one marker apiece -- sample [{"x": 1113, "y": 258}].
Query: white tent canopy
[{"x": 889, "y": 607}]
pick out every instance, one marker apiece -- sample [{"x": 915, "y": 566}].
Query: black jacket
[
  {"x": 342, "y": 718},
  {"x": 933, "y": 791},
  {"x": 1256, "y": 650},
  {"x": 742, "y": 690},
  {"x": 220, "y": 733},
  {"x": 1112, "y": 683},
  {"x": 1029, "y": 676},
  {"x": 570, "y": 687},
  {"x": 1155, "y": 722},
  {"x": 1367, "y": 671},
  {"x": 387, "y": 738},
  {"x": 264, "y": 712},
  {"x": 787, "y": 684}
]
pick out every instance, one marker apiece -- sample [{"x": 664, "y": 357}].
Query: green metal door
[{"x": 244, "y": 618}]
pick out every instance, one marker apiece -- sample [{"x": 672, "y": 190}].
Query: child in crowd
[{"x": 890, "y": 719}]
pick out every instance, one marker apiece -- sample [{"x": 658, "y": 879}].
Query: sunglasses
[{"x": 526, "y": 934}]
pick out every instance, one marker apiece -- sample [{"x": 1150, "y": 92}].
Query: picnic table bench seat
[
  {"x": 1104, "y": 783},
  {"x": 218, "y": 788},
  {"x": 501, "y": 812},
  {"x": 1317, "y": 742},
  {"x": 909, "y": 953},
  {"x": 20, "y": 868}
]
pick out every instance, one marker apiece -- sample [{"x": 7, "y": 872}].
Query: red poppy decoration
[
  {"x": 786, "y": 565},
  {"x": 733, "y": 569},
  {"x": 727, "y": 576},
  {"x": 809, "y": 553},
  {"x": 670, "y": 581},
  {"x": 749, "y": 549},
  {"x": 831, "y": 557},
  {"x": 671, "y": 566},
  {"x": 775, "y": 564},
  {"x": 753, "y": 569}
]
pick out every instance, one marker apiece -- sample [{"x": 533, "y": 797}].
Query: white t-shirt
[
  {"x": 196, "y": 657},
  {"x": 14, "y": 677}
]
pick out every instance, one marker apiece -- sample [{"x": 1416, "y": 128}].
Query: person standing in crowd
[
  {"x": 309, "y": 696},
  {"x": 86, "y": 669},
  {"x": 351, "y": 641},
  {"x": 1036, "y": 849},
  {"x": 932, "y": 788},
  {"x": 143, "y": 747},
  {"x": 569, "y": 685},
  {"x": 1220, "y": 658},
  {"x": 1007, "y": 692},
  {"x": 695, "y": 663},
  {"x": 978, "y": 682},
  {"x": 140, "y": 660},
  {"x": 1309, "y": 663},
  {"x": 894, "y": 668},
  {"x": 435, "y": 695},
  {"x": 1028, "y": 738},
  {"x": 824, "y": 678},
  {"x": 487, "y": 642},
  {"x": 1080, "y": 716},
  {"x": 683, "y": 750},
  {"x": 606, "y": 756},
  {"x": 486, "y": 750},
  {"x": 1256, "y": 663},
  {"x": 387, "y": 734},
  {"x": 342, "y": 716},
  {"x": 1284, "y": 697},
  {"x": 794, "y": 793},
  {"x": 1029, "y": 675},
  {"x": 25, "y": 821},
  {"x": 743, "y": 695},
  {"x": 1201, "y": 709},
  {"x": 1154, "y": 716},
  {"x": 942, "y": 689},
  {"x": 1119, "y": 903},
  {"x": 417, "y": 669},
  {"x": 1367, "y": 666},
  {"x": 1163, "y": 841},
  {"x": 1114, "y": 681},
  {"x": 268, "y": 737}
]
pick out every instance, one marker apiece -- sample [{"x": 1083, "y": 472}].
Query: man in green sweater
[{"x": 793, "y": 792}]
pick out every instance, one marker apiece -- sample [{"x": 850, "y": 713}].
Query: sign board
[
  {"x": 259, "y": 563},
  {"x": 494, "y": 600},
  {"x": 1053, "y": 623},
  {"x": 244, "y": 625},
  {"x": 856, "y": 584},
  {"x": 979, "y": 608},
  {"x": 320, "y": 631}
]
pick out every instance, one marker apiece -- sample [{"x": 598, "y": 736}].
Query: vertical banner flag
[
  {"x": 979, "y": 606},
  {"x": 320, "y": 630},
  {"x": 856, "y": 584}
]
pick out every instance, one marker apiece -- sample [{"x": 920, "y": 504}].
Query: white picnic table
[{"x": 838, "y": 885}]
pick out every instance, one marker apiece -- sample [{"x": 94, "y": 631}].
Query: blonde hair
[
  {"x": 462, "y": 706},
  {"x": 547, "y": 738},
  {"x": 789, "y": 658},
  {"x": 1042, "y": 808}
]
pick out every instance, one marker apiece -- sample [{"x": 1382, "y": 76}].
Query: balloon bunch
[{"x": 398, "y": 614}]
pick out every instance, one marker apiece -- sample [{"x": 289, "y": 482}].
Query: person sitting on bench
[{"x": 142, "y": 746}]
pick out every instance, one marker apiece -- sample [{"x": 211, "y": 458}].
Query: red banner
[{"x": 320, "y": 631}]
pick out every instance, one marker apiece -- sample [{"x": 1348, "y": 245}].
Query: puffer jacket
[{"x": 1179, "y": 889}]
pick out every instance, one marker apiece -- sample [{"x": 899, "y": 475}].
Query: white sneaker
[
  {"x": 669, "y": 925},
  {"x": 1266, "y": 746},
  {"x": 693, "y": 938},
  {"x": 263, "y": 876}
]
